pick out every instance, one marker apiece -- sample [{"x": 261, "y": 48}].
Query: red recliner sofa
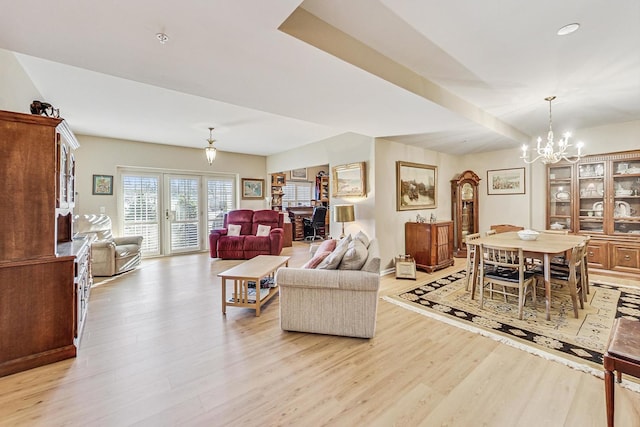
[{"x": 247, "y": 245}]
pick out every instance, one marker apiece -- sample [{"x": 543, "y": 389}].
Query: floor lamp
[{"x": 343, "y": 213}]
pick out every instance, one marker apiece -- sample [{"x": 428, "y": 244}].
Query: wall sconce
[{"x": 343, "y": 213}]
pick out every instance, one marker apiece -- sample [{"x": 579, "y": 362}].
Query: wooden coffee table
[{"x": 252, "y": 270}]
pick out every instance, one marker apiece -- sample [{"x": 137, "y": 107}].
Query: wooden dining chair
[
  {"x": 503, "y": 228},
  {"x": 472, "y": 250},
  {"x": 504, "y": 267},
  {"x": 571, "y": 276}
]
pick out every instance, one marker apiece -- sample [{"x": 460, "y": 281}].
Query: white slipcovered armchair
[{"x": 109, "y": 255}]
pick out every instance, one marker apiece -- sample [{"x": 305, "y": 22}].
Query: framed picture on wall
[
  {"x": 505, "y": 181},
  {"x": 416, "y": 186},
  {"x": 252, "y": 189},
  {"x": 103, "y": 185},
  {"x": 349, "y": 180},
  {"x": 299, "y": 174}
]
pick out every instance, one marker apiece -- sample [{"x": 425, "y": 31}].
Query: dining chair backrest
[
  {"x": 503, "y": 228},
  {"x": 501, "y": 258}
]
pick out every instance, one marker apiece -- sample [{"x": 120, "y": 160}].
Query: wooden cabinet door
[
  {"x": 598, "y": 254},
  {"x": 625, "y": 257}
]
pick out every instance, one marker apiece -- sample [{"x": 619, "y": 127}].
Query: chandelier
[
  {"x": 553, "y": 152},
  {"x": 210, "y": 150}
]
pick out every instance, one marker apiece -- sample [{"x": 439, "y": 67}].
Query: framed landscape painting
[
  {"x": 505, "y": 181},
  {"x": 299, "y": 174},
  {"x": 416, "y": 186},
  {"x": 349, "y": 180},
  {"x": 252, "y": 189}
]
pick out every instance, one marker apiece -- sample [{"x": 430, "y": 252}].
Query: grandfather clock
[{"x": 464, "y": 210}]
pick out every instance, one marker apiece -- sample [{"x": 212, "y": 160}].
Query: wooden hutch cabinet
[
  {"x": 600, "y": 197},
  {"x": 430, "y": 244},
  {"x": 44, "y": 273}
]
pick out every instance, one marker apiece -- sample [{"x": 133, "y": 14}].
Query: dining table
[{"x": 545, "y": 248}]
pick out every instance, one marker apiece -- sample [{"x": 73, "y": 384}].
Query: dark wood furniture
[
  {"x": 599, "y": 196},
  {"x": 288, "y": 235},
  {"x": 430, "y": 244},
  {"x": 464, "y": 210},
  {"x": 622, "y": 356},
  {"x": 297, "y": 215},
  {"x": 42, "y": 268}
]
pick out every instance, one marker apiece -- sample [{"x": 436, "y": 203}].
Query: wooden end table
[{"x": 253, "y": 270}]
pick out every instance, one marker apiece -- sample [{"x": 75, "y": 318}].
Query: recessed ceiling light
[
  {"x": 568, "y": 29},
  {"x": 162, "y": 37}
]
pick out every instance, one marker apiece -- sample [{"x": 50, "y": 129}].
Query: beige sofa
[
  {"x": 109, "y": 255},
  {"x": 334, "y": 302}
]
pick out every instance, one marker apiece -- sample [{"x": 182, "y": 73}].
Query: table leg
[
  {"x": 258, "y": 300},
  {"x": 473, "y": 276},
  {"x": 224, "y": 295},
  {"x": 547, "y": 284}
]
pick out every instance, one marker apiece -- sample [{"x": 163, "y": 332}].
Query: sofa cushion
[
  {"x": 263, "y": 230},
  {"x": 233, "y": 230},
  {"x": 332, "y": 261},
  {"x": 317, "y": 259},
  {"x": 363, "y": 238},
  {"x": 355, "y": 256}
]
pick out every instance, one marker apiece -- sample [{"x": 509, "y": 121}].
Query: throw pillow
[
  {"x": 355, "y": 256},
  {"x": 363, "y": 238},
  {"x": 317, "y": 259},
  {"x": 332, "y": 261},
  {"x": 327, "y": 245},
  {"x": 233, "y": 230},
  {"x": 263, "y": 230}
]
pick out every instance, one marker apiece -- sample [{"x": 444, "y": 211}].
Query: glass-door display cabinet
[
  {"x": 599, "y": 197},
  {"x": 560, "y": 207}
]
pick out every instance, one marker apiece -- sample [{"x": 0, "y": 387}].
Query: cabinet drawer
[
  {"x": 597, "y": 255},
  {"x": 625, "y": 257}
]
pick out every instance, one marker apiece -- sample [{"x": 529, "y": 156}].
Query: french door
[{"x": 174, "y": 212}]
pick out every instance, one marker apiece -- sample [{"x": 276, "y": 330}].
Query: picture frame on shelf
[
  {"x": 298, "y": 174},
  {"x": 505, "y": 181},
  {"x": 102, "y": 185},
  {"x": 252, "y": 189},
  {"x": 416, "y": 186},
  {"x": 349, "y": 180}
]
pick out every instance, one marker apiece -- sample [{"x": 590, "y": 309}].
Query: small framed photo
[
  {"x": 103, "y": 185},
  {"x": 349, "y": 180},
  {"x": 252, "y": 189},
  {"x": 505, "y": 181},
  {"x": 416, "y": 186},
  {"x": 299, "y": 174}
]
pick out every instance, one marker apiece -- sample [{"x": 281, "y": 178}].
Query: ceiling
[{"x": 460, "y": 76}]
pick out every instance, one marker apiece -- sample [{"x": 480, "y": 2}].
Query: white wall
[
  {"x": 101, "y": 156},
  {"x": 529, "y": 210},
  {"x": 390, "y": 222},
  {"x": 339, "y": 150},
  {"x": 16, "y": 89}
]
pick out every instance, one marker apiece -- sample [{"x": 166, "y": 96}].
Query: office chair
[{"x": 317, "y": 222}]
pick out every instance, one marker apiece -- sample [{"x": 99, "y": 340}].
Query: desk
[
  {"x": 297, "y": 214},
  {"x": 546, "y": 246}
]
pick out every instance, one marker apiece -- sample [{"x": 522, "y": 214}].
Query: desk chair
[{"x": 315, "y": 224}]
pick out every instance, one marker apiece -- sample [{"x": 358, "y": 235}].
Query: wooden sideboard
[{"x": 430, "y": 244}]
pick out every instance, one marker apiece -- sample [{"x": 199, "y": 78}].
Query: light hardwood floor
[{"x": 157, "y": 351}]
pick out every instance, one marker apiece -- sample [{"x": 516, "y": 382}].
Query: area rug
[{"x": 578, "y": 343}]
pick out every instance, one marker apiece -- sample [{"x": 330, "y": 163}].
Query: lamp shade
[{"x": 343, "y": 213}]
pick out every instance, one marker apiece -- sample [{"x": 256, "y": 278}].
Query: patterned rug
[{"x": 578, "y": 343}]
